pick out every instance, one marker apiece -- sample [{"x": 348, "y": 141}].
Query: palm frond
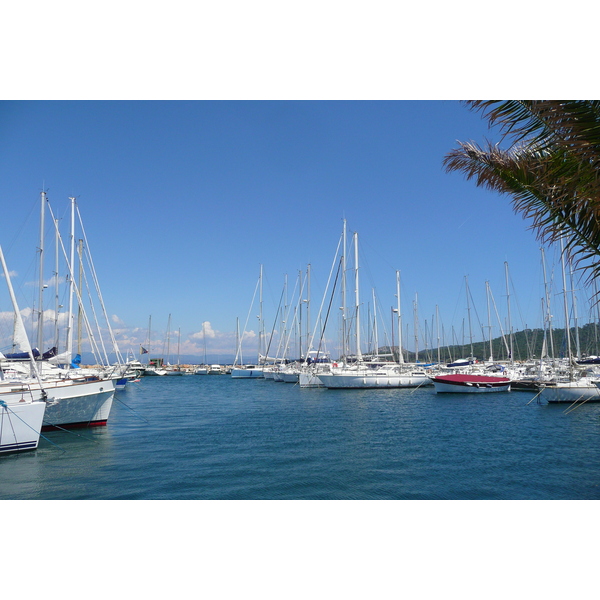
[{"x": 549, "y": 186}]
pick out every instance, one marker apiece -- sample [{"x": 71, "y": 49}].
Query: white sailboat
[
  {"x": 203, "y": 368},
  {"x": 253, "y": 371},
  {"x": 76, "y": 397},
  {"x": 22, "y": 406},
  {"x": 578, "y": 386},
  {"x": 363, "y": 374}
]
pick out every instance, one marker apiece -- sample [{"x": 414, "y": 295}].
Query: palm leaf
[{"x": 553, "y": 189}]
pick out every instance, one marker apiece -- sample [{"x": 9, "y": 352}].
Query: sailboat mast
[
  {"x": 487, "y": 290},
  {"x": 575, "y": 315},
  {"x": 308, "y": 340},
  {"x": 169, "y": 340},
  {"x": 56, "y": 296},
  {"x": 469, "y": 315},
  {"x": 344, "y": 342},
  {"x": 437, "y": 321},
  {"x": 375, "y": 332},
  {"x": 71, "y": 282},
  {"x": 416, "y": 327},
  {"x": 149, "y": 337},
  {"x": 299, "y": 312},
  {"x": 238, "y": 349},
  {"x": 79, "y": 311},
  {"x": 565, "y": 303},
  {"x": 510, "y": 331},
  {"x": 260, "y": 317},
  {"x": 548, "y": 309},
  {"x": 356, "y": 297},
  {"x": 40, "y": 331},
  {"x": 400, "y": 354}
]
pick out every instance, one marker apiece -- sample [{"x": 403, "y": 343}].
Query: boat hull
[
  {"x": 569, "y": 392},
  {"x": 20, "y": 425},
  {"x": 470, "y": 384},
  {"x": 255, "y": 373},
  {"x": 80, "y": 404},
  {"x": 289, "y": 377},
  {"x": 372, "y": 380},
  {"x": 308, "y": 380}
]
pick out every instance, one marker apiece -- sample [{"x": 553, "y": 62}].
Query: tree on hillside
[{"x": 551, "y": 169}]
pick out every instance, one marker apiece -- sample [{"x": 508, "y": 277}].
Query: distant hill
[{"x": 526, "y": 344}]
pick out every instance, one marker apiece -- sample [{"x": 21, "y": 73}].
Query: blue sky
[{"x": 182, "y": 201}]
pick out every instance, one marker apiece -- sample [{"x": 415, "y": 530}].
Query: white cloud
[{"x": 206, "y": 331}]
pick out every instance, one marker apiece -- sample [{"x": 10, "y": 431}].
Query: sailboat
[
  {"x": 203, "y": 368},
  {"x": 578, "y": 385},
  {"x": 74, "y": 399},
  {"x": 253, "y": 371},
  {"x": 467, "y": 376},
  {"x": 173, "y": 369},
  {"x": 362, "y": 374},
  {"x": 22, "y": 405}
]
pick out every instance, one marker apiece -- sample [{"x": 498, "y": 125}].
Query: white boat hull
[
  {"x": 20, "y": 425},
  {"x": 78, "y": 404},
  {"x": 308, "y": 380},
  {"x": 345, "y": 380},
  {"x": 252, "y": 373},
  {"x": 289, "y": 377},
  {"x": 569, "y": 392}
]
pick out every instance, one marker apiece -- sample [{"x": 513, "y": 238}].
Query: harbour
[{"x": 218, "y": 438}]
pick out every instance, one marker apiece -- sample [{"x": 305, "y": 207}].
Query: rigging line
[
  {"x": 329, "y": 307},
  {"x": 98, "y": 291},
  {"x": 324, "y": 296},
  {"x": 274, "y": 325},
  {"x": 238, "y": 350}
]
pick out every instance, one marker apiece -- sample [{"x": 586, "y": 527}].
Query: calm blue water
[{"x": 211, "y": 437}]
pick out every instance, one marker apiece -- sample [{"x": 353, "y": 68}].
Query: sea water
[{"x": 213, "y": 437}]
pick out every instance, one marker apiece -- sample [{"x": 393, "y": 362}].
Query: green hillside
[{"x": 526, "y": 344}]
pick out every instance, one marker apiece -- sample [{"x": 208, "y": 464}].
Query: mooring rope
[
  {"x": 541, "y": 390},
  {"x": 131, "y": 409},
  {"x": 575, "y": 405},
  {"x": 69, "y": 431}
]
